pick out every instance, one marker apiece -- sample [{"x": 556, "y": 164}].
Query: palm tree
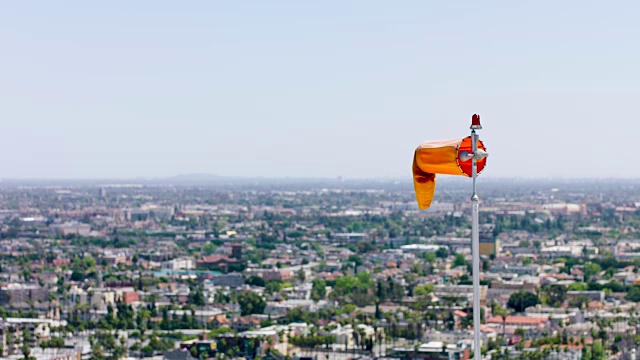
[
  {"x": 123, "y": 345},
  {"x": 152, "y": 298},
  {"x": 26, "y": 352},
  {"x": 362, "y": 338},
  {"x": 503, "y": 313}
]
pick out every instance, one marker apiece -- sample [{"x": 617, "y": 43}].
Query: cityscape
[
  {"x": 319, "y": 180},
  {"x": 320, "y": 269}
]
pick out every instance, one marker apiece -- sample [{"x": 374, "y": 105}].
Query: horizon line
[{"x": 205, "y": 177}]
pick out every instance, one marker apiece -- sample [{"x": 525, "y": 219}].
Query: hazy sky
[{"x": 298, "y": 88}]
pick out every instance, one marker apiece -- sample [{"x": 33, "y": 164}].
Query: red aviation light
[{"x": 475, "y": 122}]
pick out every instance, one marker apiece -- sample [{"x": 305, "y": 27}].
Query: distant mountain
[{"x": 193, "y": 177}]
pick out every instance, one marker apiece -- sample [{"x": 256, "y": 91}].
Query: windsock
[{"x": 442, "y": 157}]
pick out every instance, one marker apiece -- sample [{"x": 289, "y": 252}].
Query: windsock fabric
[{"x": 440, "y": 157}]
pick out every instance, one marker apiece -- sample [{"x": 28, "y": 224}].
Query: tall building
[
  {"x": 489, "y": 244},
  {"x": 138, "y": 215},
  {"x": 236, "y": 251}
]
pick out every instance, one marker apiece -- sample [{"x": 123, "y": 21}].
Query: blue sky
[{"x": 290, "y": 88}]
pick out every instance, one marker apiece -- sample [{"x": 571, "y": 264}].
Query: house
[
  {"x": 183, "y": 263},
  {"x": 178, "y": 354},
  {"x": 511, "y": 323},
  {"x": 221, "y": 320},
  {"x": 433, "y": 350},
  {"x": 130, "y": 297},
  {"x": 245, "y": 323},
  {"x": 221, "y": 262},
  {"x": 232, "y": 280},
  {"x": 60, "y": 262},
  {"x": 271, "y": 274},
  {"x": 591, "y": 295}
]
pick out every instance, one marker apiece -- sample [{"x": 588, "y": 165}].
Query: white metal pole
[{"x": 475, "y": 252}]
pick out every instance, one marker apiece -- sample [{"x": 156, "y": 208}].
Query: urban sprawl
[{"x": 327, "y": 269}]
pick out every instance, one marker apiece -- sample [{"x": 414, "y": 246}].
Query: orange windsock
[{"x": 441, "y": 157}]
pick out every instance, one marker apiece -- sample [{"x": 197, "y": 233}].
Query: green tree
[
  {"x": 255, "y": 281},
  {"x": 555, "y": 294},
  {"x": 250, "y": 303},
  {"x": 318, "y": 290},
  {"x": 355, "y": 259},
  {"x": 423, "y": 290},
  {"x": 578, "y": 286},
  {"x": 442, "y": 253},
  {"x": 429, "y": 257},
  {"x": 597, "y": 351},
  {"x": 196, "y": 297},
  {"x": 633, "y": 294},
  {"x": 209, "y": 248},
  {"x": 503, "y": 314},
  {"x": 273, "y": 286},
  {"x": 354, "y": 288},
  {"x": 459, "y": 260},
  {"x": 54, "y": 342},
  {"x": 590, "y": 270},
  {"x": 521, "y": 300},
  {"x": 147, "y": 350},
  {"x": 26, "y": 352}
]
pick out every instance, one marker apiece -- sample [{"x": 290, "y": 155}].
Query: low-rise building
[
  {"x": 16, "y": 294},
  {"x": 182, "y": 263}
]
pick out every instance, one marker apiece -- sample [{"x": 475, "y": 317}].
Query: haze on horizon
[{"x": 284, "y": 88}]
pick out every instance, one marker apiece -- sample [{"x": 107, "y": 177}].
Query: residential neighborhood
[{"x": 296, "y": 271}]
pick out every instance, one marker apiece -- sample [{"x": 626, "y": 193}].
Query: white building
[
  {"x": 420, "y": 248},
  {"x": 182, "y": 263}
]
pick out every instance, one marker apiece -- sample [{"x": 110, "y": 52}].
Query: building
[
  {"x": 504, "y": 267},
  {"x": 72, "y": 228},
  {"x": 512, "y": 322},
  {"x": 12, "y": 332},
  {"x": 50, "y": 354},
  {"x": 420, "y": 248},
  {"x": 115, "y": 258},
  {"x": 232, "y": 280},
  {"x": 489, "y": 244},
  {"x": 271, "y": 274},
  {"x": 433, "y": 350},
  {"x": 459, "y": 291},
  {"x": 221, "y": 262},
  {"x": 137, "y": 215},
  {"x": 594, "y": 295},
  {"x": 182, "y": 263},
  {"x": 130, "y": 297},
  {"x": 554, "y": 252},
  {"x": 245, "y": 323},
  {"x": 349, "y": 237},
  {"x": 11, "y": 338},
  {"x": 98, "y": 298},
  {"x": 344, "y": 334},
  {"x": 178, "y": 354},
  {"x": 19, "y": 294},
  {"x": 236, "y": 251},
  {"x": 283, "y": 307},
  {"x": 162, "y": 213}
]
